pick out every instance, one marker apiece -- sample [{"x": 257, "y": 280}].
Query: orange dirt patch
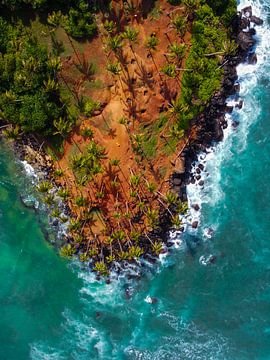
[{"x": 141, "y": 93}]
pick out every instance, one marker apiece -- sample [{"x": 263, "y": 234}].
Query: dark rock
[
  {"x": 196, "y": 207},
  {"x": 195, "y": 224},
  {"x": 247, "y": 11},
  {"x": 201, "y": 166},
  {"x": 218, "y": 131},
  {"x": 240, "y": 104},
  {"x": 154, "y": 300},
  {"x": 176, "y": 181},
  {"x": 228, "y": 109},
  {"x": 235, "y": 124},
  {"x": 245, "y": 41},
  {"x": 244, "y": 23},
  {"x": 252, "y": 58},
  {"x": 198, "y": 177},
  {"x": 252, "y": 32},
  {"x": 212, "y": 259},
  {"x": 201, "y": 182},
  {"x": 198, "y": 170},
  {"x": 237, "y": 87},
  {"x": 256, "y": 20}
]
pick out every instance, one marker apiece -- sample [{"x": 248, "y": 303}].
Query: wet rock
[
  {"x": 198, "y": 177},
  {"x": 196, "y": 207},
  {"x": 252, "y": 59},
  {"x": 244, "y": 23},
  {"x": 195, "y": 224},
  {"x": 247, "y": 11},
  {"x": 245, "y": 41},
  {"x": 201, "y": 166},
  {"x": 201, "y": 182},
  {"x": 256, "y": 20},
  {"x": 240, "y": 104},
  {"x": 237, "y": 87},
  {"x": 198, "y": 170}
]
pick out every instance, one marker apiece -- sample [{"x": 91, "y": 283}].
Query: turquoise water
[{"x": 51, "y": 309}]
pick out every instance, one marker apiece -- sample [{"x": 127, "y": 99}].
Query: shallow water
[{"x": 54, "y": 310}]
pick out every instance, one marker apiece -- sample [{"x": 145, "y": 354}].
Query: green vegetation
[
  {"x": 203, "y": 73},
  {"x": 75, "y": 16},
  {"x": 29, "y": 95}
]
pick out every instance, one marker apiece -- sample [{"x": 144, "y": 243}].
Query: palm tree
[
  {"x": 180, "y": 24},
  {"x": 171, "y": 198},
  {"x": 135, "y": 252},
  {"x": 135, "y": 181},
  {"x": 152, "y": 217},
  {"x": 177, "y": 51},
  {"x": 228, "y": 48},
  {"x": 176, "y": 222},
  {"x": 50, "y": 85},
  {"x": 12, "y": 133},
  {"x": 63, "y": 127},
  {"x": 101, "y": 268},
  {"x": 63, "y": 193},
  {"x": 109, "y": 26},
  {"x": 67, "y": 251},
  {"x": 115, "y": 43},
  {"x": 49, "y": 200},
  {"x": 44, "y": 186},
  {"x": 169, "y": 70},
  {"x": 152, "y": 42},
  {"x": 114, "y": 68},
  {"x": 157, "y": 247}
]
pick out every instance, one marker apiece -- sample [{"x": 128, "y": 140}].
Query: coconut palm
[
  {"x": 109, "y": 26},
  {"x": 176, "y": 222},
  {"x": 101, "y": 268},
  {"x": 67, "y": 251},
  {"x": 177, "y": 51},
  {"x": 152, "y": 42},
  {"x": 115, "y": 44},
  {"x": 49, "y": 200},
  {"x": 12, "y": 133},
  {"x": 63, "y": 193},
  {"x": 50, "y": 85},
  {"x": 179, "y": 22},
  {"x": 84, "y": 257},
  {"x": 152, "y": 217},
  {"x": 135, "y": 252},
  {"x": 63, "y": 127},
  {"x": 131, "y": 35},
  {"x": 135, "y": 181},
  {"x": 44, "y": 186},
  {"x": 170, "y": 70},
  {"x": 157, "y": 247}
]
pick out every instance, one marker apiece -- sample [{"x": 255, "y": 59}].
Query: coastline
[
  {"x": 212, "y": 123},
  {"x": 208, "y": 131}
]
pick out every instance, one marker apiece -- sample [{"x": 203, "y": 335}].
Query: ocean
[{"x": 212, "y": 292}]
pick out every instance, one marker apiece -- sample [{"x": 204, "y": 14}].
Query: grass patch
[{"x": 151, "y": 134}]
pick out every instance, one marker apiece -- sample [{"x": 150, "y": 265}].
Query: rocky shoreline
[
  {"x": 209, "y": 127},
  {"x": 211, "y": 123}
]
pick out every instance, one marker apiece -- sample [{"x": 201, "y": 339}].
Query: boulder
[
  {"x": 245, "y": 40},
  {"x": 247, "y": 11},
  {"x": 256, "y": 20}
]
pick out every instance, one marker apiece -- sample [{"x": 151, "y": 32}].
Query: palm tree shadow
[{"x": 145, "y": 76}]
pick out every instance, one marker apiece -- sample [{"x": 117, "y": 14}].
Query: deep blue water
[{"x": 51, "y": 309}]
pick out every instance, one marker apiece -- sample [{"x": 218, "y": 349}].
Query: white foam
[{"x": 30, "y": 171}]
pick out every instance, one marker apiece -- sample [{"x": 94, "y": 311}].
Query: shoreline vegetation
[{"x": 112, "y": 103}]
